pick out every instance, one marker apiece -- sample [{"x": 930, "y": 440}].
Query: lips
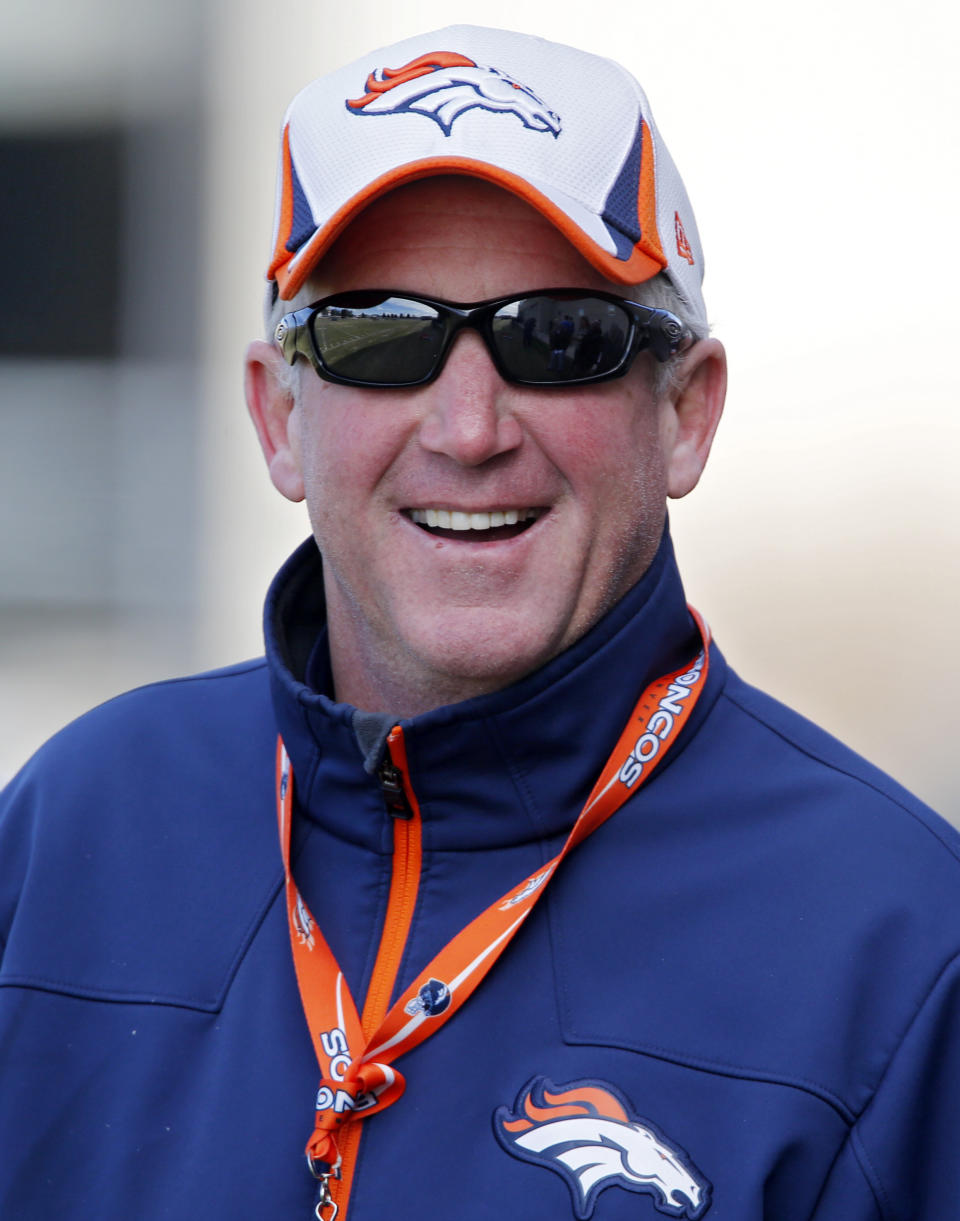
[{"x": 474, "y": 526}]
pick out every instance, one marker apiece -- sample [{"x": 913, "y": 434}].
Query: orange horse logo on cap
[{"x": 443, "y": 85}]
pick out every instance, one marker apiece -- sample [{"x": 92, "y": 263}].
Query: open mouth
[{"x": 475, "y": 527}]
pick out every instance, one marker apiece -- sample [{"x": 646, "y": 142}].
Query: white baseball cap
[{"x": 569, "y": 132}]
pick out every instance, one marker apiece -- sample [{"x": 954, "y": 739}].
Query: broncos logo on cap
[
  {"x": 584, "y": 1132},
  {"x": 443, "y": 85}
]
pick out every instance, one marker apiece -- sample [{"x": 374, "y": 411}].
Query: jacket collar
[{"x": 514, "y": 765}]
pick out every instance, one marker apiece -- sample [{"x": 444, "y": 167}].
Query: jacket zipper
[{"x": 402, "y": 804}]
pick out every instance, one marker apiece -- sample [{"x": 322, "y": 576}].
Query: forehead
[{"x": 453, "y": 237}]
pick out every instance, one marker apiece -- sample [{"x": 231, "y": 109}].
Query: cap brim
[{"x": 577, "y": 224}]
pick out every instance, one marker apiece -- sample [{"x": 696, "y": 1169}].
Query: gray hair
[
  {"x": 274, "y": 309},
  {"x": 660, "y": 293},
  {"x": 657, "y": 293}
]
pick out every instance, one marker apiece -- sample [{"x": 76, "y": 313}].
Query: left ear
[{"x": 690, "y": 413}]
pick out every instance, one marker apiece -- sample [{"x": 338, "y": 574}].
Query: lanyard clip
[{"x": 325, "y": 1199}]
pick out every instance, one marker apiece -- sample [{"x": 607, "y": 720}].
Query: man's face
[{"x": 420, "y": 617}]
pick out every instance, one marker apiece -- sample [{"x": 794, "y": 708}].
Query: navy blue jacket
[{"x": 740, "y": 998}]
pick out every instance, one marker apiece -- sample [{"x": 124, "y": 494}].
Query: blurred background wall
[{"x": 818, "y": 144}]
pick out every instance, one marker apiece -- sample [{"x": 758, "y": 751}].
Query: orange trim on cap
[
  {"x": 645, "y": 262},
  {"x": 647, "y": 194},
  {"x": 281, "y": 255}
]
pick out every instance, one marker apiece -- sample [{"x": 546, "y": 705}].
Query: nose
[{"x": 469, "y": 417}]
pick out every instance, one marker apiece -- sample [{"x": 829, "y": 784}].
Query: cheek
[
  {"x": 328, "y": 461},
  {"x": 612, "y": 451},
  {"x": 347, "y": 447}
]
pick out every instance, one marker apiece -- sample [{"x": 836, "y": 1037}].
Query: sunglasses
[{"x": 552, "y": 337}]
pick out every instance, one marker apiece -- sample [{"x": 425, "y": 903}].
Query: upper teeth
[{"x": 454, "y": 519}]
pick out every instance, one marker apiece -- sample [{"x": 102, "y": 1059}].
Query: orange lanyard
[{"x": 357, "y": 1077}]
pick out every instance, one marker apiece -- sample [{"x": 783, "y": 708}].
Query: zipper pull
[{"x": 391, "y": 782}]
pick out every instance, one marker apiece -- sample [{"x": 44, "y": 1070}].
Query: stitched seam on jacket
[
  {"x": 841, "y": 771},
  {"x": 38, "y": 983},
  {"x": 64, "y": 987},
  {"x": 718, "y": 1068},
  {"x": 944, "y": 970},
  {"x": 848, "y": 1140},
  {"x": 525, "y": 793},
  {"x": 868, "y": 1170}
]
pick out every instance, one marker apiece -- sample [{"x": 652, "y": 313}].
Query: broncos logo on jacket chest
[
  {"x": 443, "y": 85},
  {"x": 584, "y": 1132}
]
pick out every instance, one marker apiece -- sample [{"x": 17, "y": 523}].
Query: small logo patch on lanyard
[{"x": 432, "y": 999}]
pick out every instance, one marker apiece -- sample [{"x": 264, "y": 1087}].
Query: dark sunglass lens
[
  {"x": 382, "y": 340},
  {"x": 549, "y": 339}
]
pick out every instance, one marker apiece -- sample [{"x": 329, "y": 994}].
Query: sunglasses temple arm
[
  {"x": 663, "y": 334},
  {"x": 293, "y": 335}
]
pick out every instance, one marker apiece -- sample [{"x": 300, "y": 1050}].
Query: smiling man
[
  {"x": 472, "y": 528},
  {"x": 564, "y": 920}
]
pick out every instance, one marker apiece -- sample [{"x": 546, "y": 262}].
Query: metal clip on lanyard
[{"x": 325, "y": 1199}]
